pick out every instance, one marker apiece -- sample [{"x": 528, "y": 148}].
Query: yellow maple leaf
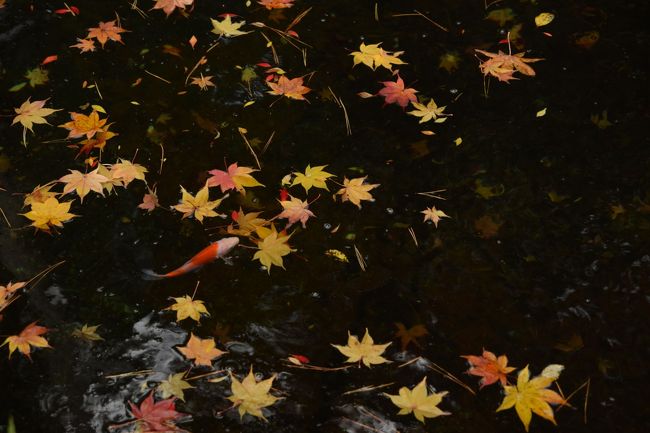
[
  {"x": 31, "y": 113},
  {"x": 429, "y": 112},
  {"x": 355, "y": 190},
  {"x": 247, "y": 223},
  {"x": 312, "y": 177},
  {"x": 434, "y": 215},
  {"x": 198, "y": 205},
  {"x": 449, "y": 61},
  {"x": 363, "y": 351},
  {"x": 226, "y": 28},
  {"x": 419, "y": 401},
  {"x": 532, "y": 395},
  {"x": 251, "y": 396},
  {"x": 174, "y": 385},
  {"x": 187, "y": 307},
  {"x": 272, "y": 247},
  {"x": 28, "y": 337},
  {"x": 374, "y": 56},
  {"x": 82, "y": 125},
  {"x": 125, "y": 171},
  {"x": 39, "y": 194},
  {"x": 83, "y": 183},
  {"x": 49, "y": 213},
  {"x": 202, "y": 351},
  {"x": 501, "y": 16},
  {"x": 37, "y": 76},
  {"x": 88, "y": 333}
]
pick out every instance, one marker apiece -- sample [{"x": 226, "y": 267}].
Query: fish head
[{"x": 226, "y": 245}]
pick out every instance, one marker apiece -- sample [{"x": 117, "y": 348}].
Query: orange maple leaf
[
  {"x": 81, "y": 125},
  {"x": 503, "y": 66},
  {"x": 276, "y": 4},
  {"x": 202, "y": 351},
  {"x": 105, "y": 31},
  {"x": 168, "y": 6},
  {"x": 30, "y": 336},
  {"x": 395, "y": 93},
  {"x": 489, "y": 368},
  {"x": 291, "y": 88},
  {"x": 85, "y": 45}
]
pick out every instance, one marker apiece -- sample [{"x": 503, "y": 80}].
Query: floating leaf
[
  {"x": 174, "y": 386},
  {"x": 374, "y": 56},
  {"x": 272, "y": 248},
  {"x": 356, "y": 190},
  {"x": 363, "y": 351},
  {"x": 49, "y": 213},
  {"x": 88, "y": 333},
  {"x": 419, "y": 401},
  {"x": 251, "y": 396},
  {"x": 186, "y": 307},
  {"x": 29, "y": 337},
  {"x": 312, "y": 177},
  {"x": 490, "y": 368},
  {"x": 202, "y": 351},
  {"x": 226, "y": 28}
]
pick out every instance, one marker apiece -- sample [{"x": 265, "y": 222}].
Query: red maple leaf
[
  {"x": 395, "y": 93},
  {"x": 489, "y": 367},
  {"x": 159, "y": 416}
]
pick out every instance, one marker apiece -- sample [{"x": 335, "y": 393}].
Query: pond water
[{"x": 545, "y": 256}]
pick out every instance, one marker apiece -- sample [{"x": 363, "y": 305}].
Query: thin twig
[
  {"x": 432, "y": 194},
  {"x": 196, "y": 288},
  {"x": 158, "y": 76},
  {"x": 200, "y": 376},
  {"x": 368, "y": 388},
  {"x": 438, "y": 369},
  {"x": 362, "y": 262},
  {"x": 418, "y": 13},
  {"x": 129, "y": 374},
  {"x": 362, "y": 425},
  {"x": 242, "y": 132},
  {"x": 586, "y": 400},
  {"x": 201, "y": 61},
  {"x": 317, "y": 368},
  {"x": 5, "y": 218},
  {"x": 162, "y": 156},
  {"x": 97, "y": 89},
  {"x": 268, "y": 143},
  {"x": 415, "y": 239}
]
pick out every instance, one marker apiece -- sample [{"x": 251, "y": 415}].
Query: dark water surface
[{"x": 564, "y": 280}]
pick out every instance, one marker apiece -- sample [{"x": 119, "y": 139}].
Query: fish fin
[{"x": 148, "y": 274}]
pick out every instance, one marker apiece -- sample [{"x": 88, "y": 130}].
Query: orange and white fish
[{"x": 208, "y": 254}]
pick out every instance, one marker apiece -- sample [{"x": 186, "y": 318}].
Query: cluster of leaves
[{"x": 396, "y": 92}]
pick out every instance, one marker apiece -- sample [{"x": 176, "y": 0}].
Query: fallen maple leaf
[
  {"x": 174, "y": 386},
  {"x": 251, "y": 396},
  {"x": 490, "y": 368},
  {"x": 168, "y": 6},
  {"x": 28, "y": 338},
  {"x": 272, "y": 248},
  {"x": 291, "y": 88},
  {"x": 355, "y": 190},
  {"x": 503, "y": 66},
  {"x": 156, "y": 416},
  {"x": 83, "y": 183},
  {"x": 202, "y": 351},
  {"x": 39, "y": 195},
  {"x": 312, "y": 177},
  {"x": 106, "y": 31},
  {"x": 395, "y": 93},
  {"x": 187, "y": 307},
  {"x": 203, "y": 81},
  {"x": 37, "y": 76},
  {"x": 198, "y": 205},
  {"x": 81, "y": 125},
  {"x": 365, "y": 351},
  {"x": 88, "y": 333},
  {"x": 410, "y": 335},
  {"x": 276, "y": 4},
  {"x": 149, "y": 201},
  {"x": 419, "y": 401},
  {"x": 247, "y": 223},
  {"x": 84, "y": 45},
  {"x": 295, "y": 210},
  {"x": 532, "y": 395},
  {"x": 49, "y": 213},
  {"x": 30, "y": 113},
  {"x": 226, "y": 28},
  {"x": 434, "y": 215},
  {"x": 125, "y": 171},
  {"x": 374, "y": 56},
  {"x": 429, "y": 112},
  {"x": 9, "y": 293},
  {"x": 236, "y": 177}
]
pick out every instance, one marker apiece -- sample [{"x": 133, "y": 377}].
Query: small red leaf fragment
[
  {"x": 284, "y": 194},
  {"x": 49, "y": 59},
  {"x": 193, "y": 41},
  {"x": 301, "y": 358}
]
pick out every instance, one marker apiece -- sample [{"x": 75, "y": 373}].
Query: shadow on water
[{"x": 544, "y": 270}]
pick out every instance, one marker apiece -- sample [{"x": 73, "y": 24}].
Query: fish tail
[{"x": 148, "y": 274}]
